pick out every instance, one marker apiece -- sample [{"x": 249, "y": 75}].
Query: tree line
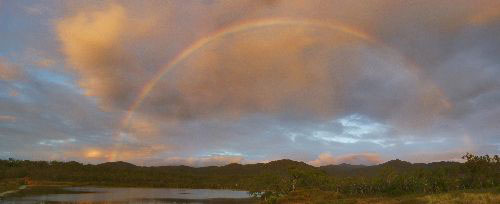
[{"x": 275, "y": 179}]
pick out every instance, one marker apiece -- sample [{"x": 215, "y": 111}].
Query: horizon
[
  {"x": 243, "y": 164},
  {"x": 210, "y": 83}
]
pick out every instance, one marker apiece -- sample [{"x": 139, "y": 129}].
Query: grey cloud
[{"x": 429, "y": 83}]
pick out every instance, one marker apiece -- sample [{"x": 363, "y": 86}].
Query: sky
[{"x": 213, "y": 82}]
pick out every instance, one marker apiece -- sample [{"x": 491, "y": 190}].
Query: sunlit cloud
[
  {"x": 13, "y": 93},
  {"x": 45, "y": 63},
  {"x": 8, "y": 70},
  {"x": 488, "y": 15},
  {"x": 248, "y": 81},
  {"x": 218, "y": 160},
  {"x": 361, "y": 158},
  {"x": 94, "y": 43},
  {"x": 132, "y": 153},
  {"x": 7, "y": 118}
]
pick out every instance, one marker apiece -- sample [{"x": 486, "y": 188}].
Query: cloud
[
  {"x": 284, "y": 70},
  {"x": 91, "y": 43},
  {"x": 7, "y": 118},
  {"x": 426, "y": 78},
  {"x": 360, "y": 158},
  {"x": 486, "y": 15},
  {"x": 292, "y": 73},
  {"x": 57, "y": 142},
  {"x": 143, "y": 127},
  {"x": 95, "y": 44},
  {"x": 45, "y": 62},
  {"x": 13, "y": 93},
  {"x": 202, "y": 161},
  {"x": 278, "y": 70},
  {"x": 9, "y": 71},
  {"x": 135, "y": 153},
  {"x": 36, "y": 10},
  {"x": 261, "y": 75}
]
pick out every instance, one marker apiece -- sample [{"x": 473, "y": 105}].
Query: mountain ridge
[{"x": 395, "y": 163}]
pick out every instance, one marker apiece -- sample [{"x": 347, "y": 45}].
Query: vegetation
[
  {"x": 287, "y": 180},
  {"x": 10, "y": 184},
  {"x": 483, "y": 196}
]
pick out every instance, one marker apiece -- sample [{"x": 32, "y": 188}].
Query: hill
[
  {"x": 273, "y": 179},
  {"x": 117, "y": 164},
  {"x": 348, "y": 170}
]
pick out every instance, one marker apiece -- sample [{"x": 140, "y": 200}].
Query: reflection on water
[{"x": 139, "y": 195}]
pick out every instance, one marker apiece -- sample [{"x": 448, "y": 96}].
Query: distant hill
[
  {"x": 117, "y": 164},
  {"x": 278, "y": 177},
  {"x": 341, "y": 169},
  {"x": 374, "y": 170},
  {"x": 283, "y": 165},
  {"x": 231, "y": 172},
  {"x": 286, "y": 164}
]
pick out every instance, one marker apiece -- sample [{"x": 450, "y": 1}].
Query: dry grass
[
  {"x": 10, "y": 184},
  {"x": 489, "y": 196},
  {"x": 463, "y": 198}
]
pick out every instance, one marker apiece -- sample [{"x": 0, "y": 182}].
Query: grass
[
  {"x": 463, "y": 197},
  {"x": 10, "y": 184},
  {"x": 485, "y": 196}
]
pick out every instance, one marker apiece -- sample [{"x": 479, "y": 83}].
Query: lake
[{"x": 138, "y": 195}]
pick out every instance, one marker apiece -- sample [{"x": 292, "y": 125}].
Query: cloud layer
[{"x": 341, "y": 78}]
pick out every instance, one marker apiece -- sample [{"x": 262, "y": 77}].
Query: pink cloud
[{"x": 357, "y": 158}]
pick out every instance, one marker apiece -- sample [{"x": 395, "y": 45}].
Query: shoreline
[
  {"x": 4, "y": 194},
  {"x": 25, "y": 190},
  {"x": 35, "y": 190}
]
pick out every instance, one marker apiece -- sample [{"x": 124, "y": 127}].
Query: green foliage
[
  {"x": 10, "y": 184},
  {"x": 276, "y": 180},
  {"x": 481, "y": 171},
  {"x": 306, "y": 196}
]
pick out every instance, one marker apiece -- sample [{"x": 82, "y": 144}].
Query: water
[{"x": 138, "y": 195}]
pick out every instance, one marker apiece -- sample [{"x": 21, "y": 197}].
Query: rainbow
[
  {"x": 247, "y": 26},
  {"x": 241, "y": 27}
]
